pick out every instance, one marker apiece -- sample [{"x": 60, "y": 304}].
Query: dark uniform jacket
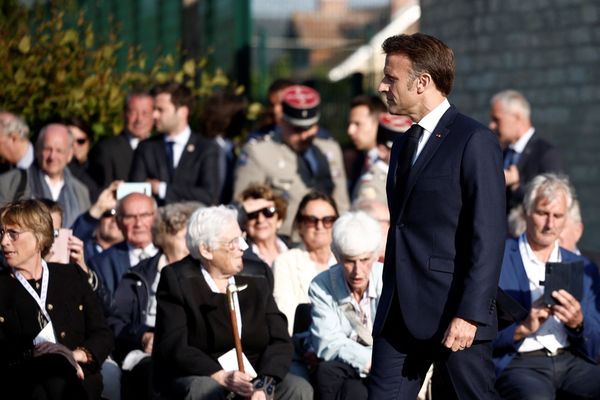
[{"x": 193, "y": 327}]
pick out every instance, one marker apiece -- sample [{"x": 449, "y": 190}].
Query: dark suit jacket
[
  {"x": 444, "y": 248},
  {"x": 111, "y": 159},
  {"x": 110, "y": 266},
  {"x": 514, "y": 281},
  {"x": 538, "y": 157},
  {"x": 74, "y": 309},
  {"x": 193, "y": 327},
  {"x": 197, "y": 176}
]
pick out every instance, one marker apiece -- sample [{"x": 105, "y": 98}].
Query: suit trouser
[
  {"x": 539, "y": 377},
  {"x": 400, "y": 364}
]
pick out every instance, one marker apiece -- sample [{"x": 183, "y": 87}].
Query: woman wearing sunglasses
[{"x": 265, "y": 212}]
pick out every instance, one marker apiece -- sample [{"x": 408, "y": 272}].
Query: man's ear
[
  {"x": 205, "y": 251},
  {"x": 424, "y": 81}
]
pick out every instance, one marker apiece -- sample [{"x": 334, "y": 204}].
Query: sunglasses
[
  {"x": 81, "y": 141},
  {"x": 312, "y": 221},
  {"x": 109, "y": 213},
  {"x": 267, "y": 212}
]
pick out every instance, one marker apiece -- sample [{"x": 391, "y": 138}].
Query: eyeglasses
[
  {"x": 237, "y": 243},
  {"x": 311, "y": 221},
  {"x": 132, "y": 217},
  {"x": 81, "y": 141},
  {"x": 267, "y": 212},
  {"x": 12, "y": 234}
]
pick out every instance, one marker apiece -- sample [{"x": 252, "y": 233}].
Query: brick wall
[{"x": 550, "y": 51}]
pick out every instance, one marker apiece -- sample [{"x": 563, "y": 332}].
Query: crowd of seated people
[{"x": 140, "y": 308}]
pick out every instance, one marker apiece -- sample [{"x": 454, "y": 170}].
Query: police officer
[
  {"x": 291, "y": 159},
  {"x": 371, "y": 185}
]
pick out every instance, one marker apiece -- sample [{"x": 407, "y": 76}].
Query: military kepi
[
  {"x": 389, "y": 128},
  {"x": 301, "y": 105}
]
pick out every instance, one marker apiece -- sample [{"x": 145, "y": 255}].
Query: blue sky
[{"x": 283, "y": 8}]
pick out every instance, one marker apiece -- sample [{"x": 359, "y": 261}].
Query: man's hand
[
  {"x": 106, "y": 200},
  {"x": 511, "y": 177},
  {"x": 460, "y": 334},
  {"x": 568, "y": 311},
  {"x": 538, "y": 314},
  {"x": 147, "y": 342},
  {"x": 235, "y": 381}
]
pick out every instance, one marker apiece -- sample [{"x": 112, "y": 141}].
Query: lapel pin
[
  {"x": 190, "y": 148},
  {"x": 438, "y": 135}
]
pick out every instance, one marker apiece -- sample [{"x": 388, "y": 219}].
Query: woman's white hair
[
  {"x": 356, "y": 233},
  {"x": 205, "y": 225}
]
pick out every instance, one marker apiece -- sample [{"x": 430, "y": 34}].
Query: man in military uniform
[
  {"x": 371, "y": 185},
  {"x": 291, "y": 159}
]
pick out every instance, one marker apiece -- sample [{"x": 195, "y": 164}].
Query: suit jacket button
[
  {"x": 63, "y": 334},
  {"x": 80, "y": 307},
  {"x": 50, "y": 307},
  {"x": 1, "y": 319}
]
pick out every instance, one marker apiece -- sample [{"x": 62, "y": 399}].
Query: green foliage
[{"x": 52, "y": 68}]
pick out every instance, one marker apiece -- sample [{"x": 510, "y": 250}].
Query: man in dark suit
[
  {"x": 135, "y": 215},
  {"x": 554, "y": 348},
  {"x": 111, "y": 158},
  {"x": 526, "y": 155},
  {"x": 444, "y": 251},
  {"x": 179, "y": 164}
]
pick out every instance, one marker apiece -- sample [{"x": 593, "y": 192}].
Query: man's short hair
[
  {"x": 15, "y": 124},
  {"x": 427, "y": 55},
  {"x": 375, "y": 105},
  {"x": 513, "y": 101},
  {"x": 39, "y": 143},
  {"x": 181, "y": 95},
  {"x": 547, "y": 186},
  {"x": 134, "y": 94}
]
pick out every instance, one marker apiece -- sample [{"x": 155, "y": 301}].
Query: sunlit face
[
  {"x": 362, "y": 128},
  {"x": 357, "y": 270},
  {"x": 227, "y": 252},
  {"x": 316, "y": 236},
  {"x": 136, "y": 220},
  {"x": 398, "y": 86},
  {"x": 298, "y": 138},
  {"x": 546, "y": 221},
  {"x": 81, "y": 144},
  {"x": 56, "y": 151},
  {"x": 168, "y": 118},
  {"x": 261, "y": 228},
  {"x": 19, "y": 246},
  {"x": 138, "y": 117},
  {"x": 504, "y": 124}
]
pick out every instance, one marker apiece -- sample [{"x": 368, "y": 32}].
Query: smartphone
[
  {"x": 126, "y": 188},
  {"x": 59, "y": 252}
]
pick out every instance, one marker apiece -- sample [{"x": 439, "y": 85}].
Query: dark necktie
[
  {"x": 405, "y": 157},
  {"x": 510, "y": 158},
  {"x": 170, "y": 157}
]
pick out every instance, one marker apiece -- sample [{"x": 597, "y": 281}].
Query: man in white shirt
[{"x": 553, "y": 349}]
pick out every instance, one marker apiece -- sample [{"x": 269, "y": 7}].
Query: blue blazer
[
  {"x": 444, "y": 248},
  {"x": 513, "y": 280},
  {"x": 110, "y": 266}
]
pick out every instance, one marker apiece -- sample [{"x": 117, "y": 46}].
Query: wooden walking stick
[{"x": 231, "y": 289}]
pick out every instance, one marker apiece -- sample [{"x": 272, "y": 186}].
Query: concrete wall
[{"x": 549, "y": 50}]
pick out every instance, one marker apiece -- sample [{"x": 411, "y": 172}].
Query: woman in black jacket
[{"x": 53, "y": 337}]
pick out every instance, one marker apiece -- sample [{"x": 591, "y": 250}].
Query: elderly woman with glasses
[
  {"x": 194, "y": 333},
  {"x": 264, "y": 212},
  {"x": 53, "y": 337}
]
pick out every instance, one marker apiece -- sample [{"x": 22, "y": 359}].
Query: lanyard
[{"x": 40, "y": 300}]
